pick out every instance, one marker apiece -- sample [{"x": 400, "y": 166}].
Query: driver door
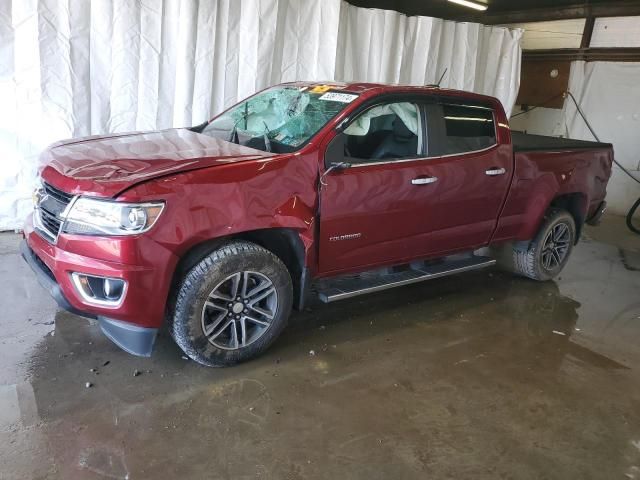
[{"x": 373, "y": 212}]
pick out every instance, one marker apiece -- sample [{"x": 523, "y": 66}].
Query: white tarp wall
[
  {"x": 75, "y": 68},
  {"x": 609, "y": 96},
  {"x": 389, "y": 47}
]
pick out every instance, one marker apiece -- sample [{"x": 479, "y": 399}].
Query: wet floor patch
[
  {"x": 482, "y": 375},
  {"x": 26, "y": 314},
  {"x": 630, "y": 260}
]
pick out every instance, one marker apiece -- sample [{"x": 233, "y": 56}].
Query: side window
[
  {"x": 384, "y": 132},
  {"x": 466, "y": 129}
]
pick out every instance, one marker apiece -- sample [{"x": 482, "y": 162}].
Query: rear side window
[{"x": 466, "y": 129}]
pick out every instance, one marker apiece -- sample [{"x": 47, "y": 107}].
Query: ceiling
[{"x": 507, "y": 11}]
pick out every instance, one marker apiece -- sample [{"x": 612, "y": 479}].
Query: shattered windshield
[{"x": 281, "y": 119}]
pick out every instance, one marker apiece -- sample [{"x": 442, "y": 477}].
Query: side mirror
[{"x": 337, "y": 166}]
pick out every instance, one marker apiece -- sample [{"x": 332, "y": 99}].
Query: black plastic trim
[
  {"x": 130, "y": 338},
  {"x": 526, "y": 142},
  {"x": 303, "y": 293},
  {"x": 47, "y": 280},
  {"x": 597, "y": 216}
]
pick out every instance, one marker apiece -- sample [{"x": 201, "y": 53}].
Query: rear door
[{"x": 474, "y": 173}]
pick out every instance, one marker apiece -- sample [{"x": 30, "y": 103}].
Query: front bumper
[
  {"x": 131, "y": 338},
  {"x": 134, "y": 323}
]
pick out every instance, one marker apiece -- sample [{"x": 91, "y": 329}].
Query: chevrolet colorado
[{"x": 351, "y": 188}]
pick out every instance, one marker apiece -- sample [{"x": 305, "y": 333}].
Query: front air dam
[{"x": 131, "y": 338}]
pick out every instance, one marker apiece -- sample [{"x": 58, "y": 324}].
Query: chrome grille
[
  {"x": 50, "y": 205},
  {"x": 57, "y": 194}
]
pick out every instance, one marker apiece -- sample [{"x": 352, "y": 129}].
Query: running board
[{"x": 340, "y": 288}]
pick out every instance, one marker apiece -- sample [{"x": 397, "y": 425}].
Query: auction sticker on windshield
[{"x": 338, "y": 97}]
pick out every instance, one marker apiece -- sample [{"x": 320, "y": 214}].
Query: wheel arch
[
  {"x": 285, "y": 243},
  {"x": 574, "y": 203}
]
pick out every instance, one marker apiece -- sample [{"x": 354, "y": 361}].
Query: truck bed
[{"x": 524, "y": 142}]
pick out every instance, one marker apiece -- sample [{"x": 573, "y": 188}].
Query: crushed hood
[{"x": 107, "y": 165}]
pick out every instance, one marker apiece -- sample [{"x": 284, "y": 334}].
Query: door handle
[
  {"x": 492, "y": 172},
  {"x": 424, "y": 180}
]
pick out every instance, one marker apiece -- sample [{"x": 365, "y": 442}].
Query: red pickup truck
[{"x": 324, "y": 189}]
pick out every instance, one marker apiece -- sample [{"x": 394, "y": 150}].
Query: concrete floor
[{"x": 482, "y": 375}]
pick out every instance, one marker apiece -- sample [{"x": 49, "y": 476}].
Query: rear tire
[
  {"x": 232, "y": 305},
  {"x": 546, "y": 255}
]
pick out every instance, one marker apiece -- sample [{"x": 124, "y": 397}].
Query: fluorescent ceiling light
[{"x": 467, "y": 3}]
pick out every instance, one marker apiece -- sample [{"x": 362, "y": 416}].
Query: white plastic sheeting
[
  {"x": 70, "y": 69},
  {"x": 387, "y": 46},
  {"x": 609, "y": 96}
]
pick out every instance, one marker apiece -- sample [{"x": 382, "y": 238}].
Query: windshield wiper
[
  {"x": 199, "y": 128},
  {"x": 267, "y": 142},
  {"x": 233, "y": 136}
]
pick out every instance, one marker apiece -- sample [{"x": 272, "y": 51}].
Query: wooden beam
[
  {"x": 586, "y": 54},
  {"x": 507, "y": 12},
  {"x": 605, "y": 9},
  {"x": 587, "y": 33}
]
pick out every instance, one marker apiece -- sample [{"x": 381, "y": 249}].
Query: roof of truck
[{"x": 362, "y": 87}]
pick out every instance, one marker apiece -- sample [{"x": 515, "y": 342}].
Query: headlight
[{"x": 103, "y": 217}]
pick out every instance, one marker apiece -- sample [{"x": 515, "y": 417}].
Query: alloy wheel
[
  {"x": 556, "y": 246},
  {"x": 239, "y": 310}
]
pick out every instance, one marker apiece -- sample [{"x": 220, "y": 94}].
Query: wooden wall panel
[{"x": 538, "y": 84}]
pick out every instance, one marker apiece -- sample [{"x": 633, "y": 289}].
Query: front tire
[
  {"x": 232, "y": 305},
  {"x": 546, "y": 255}
]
